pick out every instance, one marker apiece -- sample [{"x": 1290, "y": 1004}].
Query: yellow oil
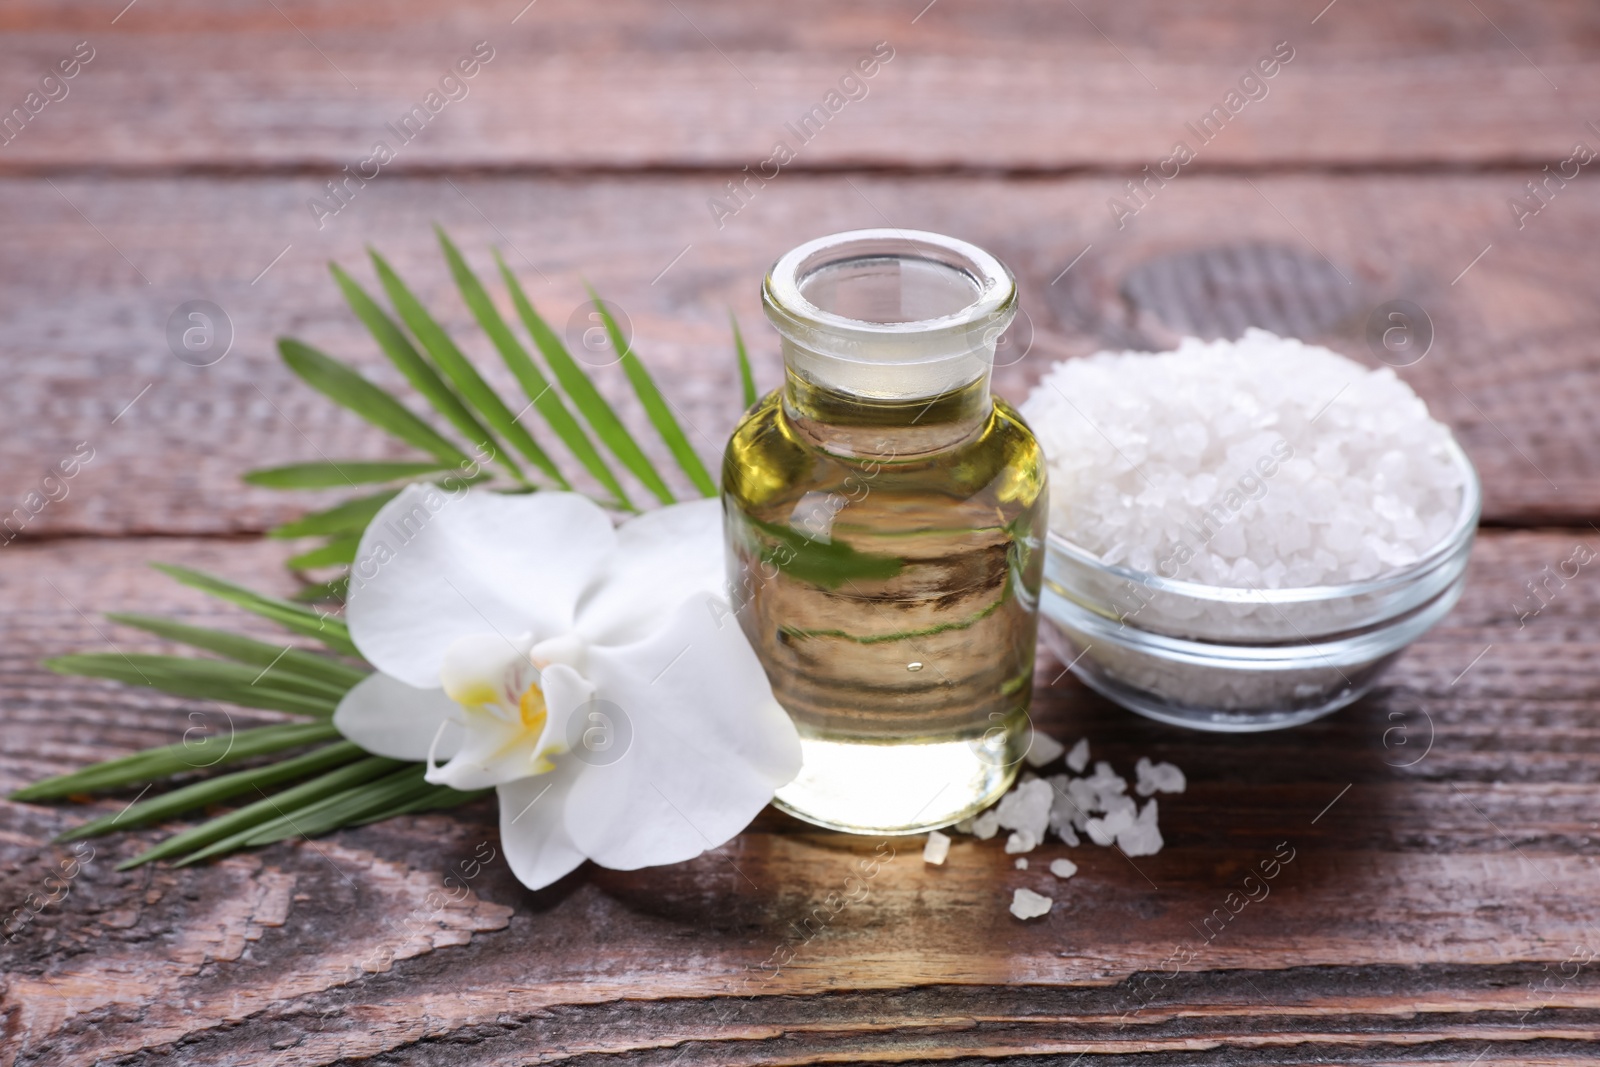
[{"x": 885, "y": 559}]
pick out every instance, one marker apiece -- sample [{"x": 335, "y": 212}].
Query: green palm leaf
[
  {"x": 338, "y": 552},
  {"x": 333, "y": 589},
  {"x": 322, "y": 814},
  {"x": 433, "y": 799},
  {"x": 334, "y": 474},
  {"x": 215, "y": 790},
  {"x": 460, "y": 370},
  {"x": 585, "y": 397},
  {"x": 337, "y": 676},
  {"x": 533, "y": 381},
  {"x": 418, "y": 371},
  {"x": 325, "y": 628},
  {"x": 205, "y": 679},
  {"x": 345, "y": 387},
  {"x": 213, "y": 750},
  {"x": 747, "y": 380},
  {"x": 350, "y": 517},
  {"x": 268, "y": 807},
  {"x": 655, "y": 405}
]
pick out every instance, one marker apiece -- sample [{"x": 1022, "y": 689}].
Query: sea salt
[
  {"x": 1078, "y": 758},
  {"x": 937, "y": 848},
  {"x": 1097, "y": 805},
  {"x": 1043, "y": 749},
  {"x": 986, "y": 825},
  {"x": 1063, "y": 868},
  {"x": 1157, "y": 778},
  {"x": 1261, "y": 462},
  {"x": 1142, "y": 837},
  {"x": 1021, "y": 841},
  {"x": 1026, "y": 809},
  {"x": 1022, "y": 863},
  {"x": 1026, "y": 904}
]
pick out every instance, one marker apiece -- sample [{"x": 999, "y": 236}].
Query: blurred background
[{"x": 189, "y": 156}]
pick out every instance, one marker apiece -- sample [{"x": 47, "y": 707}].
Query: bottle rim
[{"x": 969, "y": 329}]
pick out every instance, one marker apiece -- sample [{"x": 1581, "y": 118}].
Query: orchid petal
[
  {"x": 387, "y": 717},
  {"x": 566, "y": 692},
  {"x": 532, "y": 830},
  {"x": 434, "y": 567},
  {"x": 663, "y": 557},
  {"x": 709, "y": 743},
  {"x": 485, "y": 668}
]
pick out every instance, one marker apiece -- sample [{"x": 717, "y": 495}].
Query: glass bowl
[{"x": 1236, "y": 659}]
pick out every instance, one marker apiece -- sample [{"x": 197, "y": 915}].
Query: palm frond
[
  {"x": 747, "y": 380},
  {"x": 235, "y": 823},
  {"x": 418, "y": 371},
  {"x": 153, "y": 764},
  {"x": 215, "y": 790},
  {"x": 336, "y": 474},
  {"x": 656, "y": 406},
  {"x": 449, "y": 359},
  {"x": 345, "y": 387},
  {"x": 301, "y": 620},
  {"x": 537, "y": 387},
  {"x": 285, "y": 660},
  {"x": 585, "y": 397}
]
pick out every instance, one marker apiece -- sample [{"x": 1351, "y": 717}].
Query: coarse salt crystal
[
  {"x": 937, "y": 848},
  {"x": 1078, "y": 758},
  {"x": 1158, "y": 778},
  {"x": 1021, "y": 841},
  {"x": 1027, "y": 808},
  {"x": 1022, "y": 863},
  {"x": 1142, "y": 837},
  {"x": 1063, "y": 868},
  {"x": 986, "y": 825},
  {"x": 1042, "y": 749},
  {"x": 1026, "y": 904},
  {"x": 1098, "y": 805}
]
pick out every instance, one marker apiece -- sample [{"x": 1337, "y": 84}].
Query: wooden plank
[
  {"x": 1033, "y": 86},
  {"x": 1416, "y": 913},
  {"x": 1512, "y": 367}
]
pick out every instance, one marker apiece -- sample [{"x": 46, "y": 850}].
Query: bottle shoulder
[{"x": 767, "y": 459}]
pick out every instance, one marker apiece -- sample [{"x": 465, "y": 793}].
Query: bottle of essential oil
[{"x": 885, "y": 519}]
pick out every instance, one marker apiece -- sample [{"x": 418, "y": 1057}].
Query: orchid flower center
[{"x": 496, "y": 683}]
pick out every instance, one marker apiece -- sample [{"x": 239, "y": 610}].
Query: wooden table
[{"x": 1441, "y": 905}]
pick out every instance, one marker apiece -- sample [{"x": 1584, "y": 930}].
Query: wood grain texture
[
  {"x": 1416, "y": 912},
  {"x": 1444, "y": 828},
  {"x": 1512, "y": 367},
  {"x": 1027, "y": 86}
]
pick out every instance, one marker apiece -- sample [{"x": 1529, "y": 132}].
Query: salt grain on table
[
  {"x": 1026, "y": 904},
  {"x": 1063, "y": 868},
  {"x": 986, "y": 825},
  {"x": 1043, "y": 749},
  {"x": 937, "y": 848},
  {"x": 1021, "y": 841},
  {"x": 1143, "y": 837},
  {"x": 1027, "y": 808},
  {"x": 1098, "y": 805},
  {"x": 1078, "y": 758},
  {"x": 1158, "y": 778}
]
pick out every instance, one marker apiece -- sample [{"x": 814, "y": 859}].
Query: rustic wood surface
[{"x": 1440, "y": 906}]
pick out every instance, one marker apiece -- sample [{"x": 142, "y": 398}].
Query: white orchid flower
[{"x": 593, "y": 675}]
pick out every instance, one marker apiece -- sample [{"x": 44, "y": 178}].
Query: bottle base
[{"x": 901, "y": 788}]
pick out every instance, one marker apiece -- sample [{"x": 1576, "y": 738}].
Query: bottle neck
[{"x": 854, "y": 426}]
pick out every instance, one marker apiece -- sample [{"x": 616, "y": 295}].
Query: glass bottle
[{"x": 885, "y": 517}]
